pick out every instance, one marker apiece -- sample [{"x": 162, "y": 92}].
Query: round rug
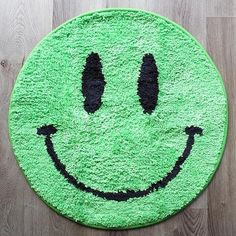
[{"x": 118, "y": 119}]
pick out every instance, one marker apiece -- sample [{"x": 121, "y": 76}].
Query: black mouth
[{"x": 48, "y": 130}]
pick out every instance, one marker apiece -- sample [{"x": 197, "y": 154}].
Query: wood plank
[
  {"x": 64, "y": 10},
  {"x": 23, "y": 24},
  {"x": 189, "y": 14},
  {"x": 221, "y": 8},
  {"x": 192, "y": 16},
  {"x": 221, "y": 37}
]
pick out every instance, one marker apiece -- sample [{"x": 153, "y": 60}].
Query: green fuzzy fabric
[{"x": 118, "y": 147}]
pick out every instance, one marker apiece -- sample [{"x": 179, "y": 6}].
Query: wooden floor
[{"x": 24, "y": 22}]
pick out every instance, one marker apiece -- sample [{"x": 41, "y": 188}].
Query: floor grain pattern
[{"x": 23, "y": 23}]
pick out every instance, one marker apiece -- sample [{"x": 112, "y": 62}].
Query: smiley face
[
  {"x": 93, "y": 83},
  {"x": 118, "y": 119}
]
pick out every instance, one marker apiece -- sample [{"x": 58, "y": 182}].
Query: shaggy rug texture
[{"x": 118, "y": 119}]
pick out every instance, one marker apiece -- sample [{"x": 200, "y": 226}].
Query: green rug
[{"x": 118, "y": 119}]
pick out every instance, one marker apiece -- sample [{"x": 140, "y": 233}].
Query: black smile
[{"x": 48, "y": 130}]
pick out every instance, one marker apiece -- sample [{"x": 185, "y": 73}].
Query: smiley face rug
[{"x": 118, "y": 119}]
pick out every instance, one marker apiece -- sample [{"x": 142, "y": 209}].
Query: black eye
[
  {"x": 93, "y": 83},
  {"x": 148, "y": 84}
]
